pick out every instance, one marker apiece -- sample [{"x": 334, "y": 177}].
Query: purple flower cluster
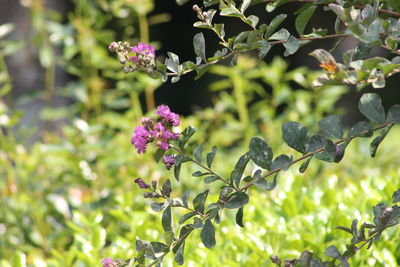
[
  {"x": 144, "y": 55},
  {"x": 167, "y": 116},
  {"x": 159, "y": 132},
  {"x": 108, "y": 262},
  {"x": 141, "y": 183},
  {"x": 169, "y": 161}
]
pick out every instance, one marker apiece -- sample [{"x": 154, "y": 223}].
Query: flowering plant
[{"x": 371, "y": 22}]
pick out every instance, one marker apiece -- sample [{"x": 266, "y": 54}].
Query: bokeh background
[{"x": 67, "y": 111}]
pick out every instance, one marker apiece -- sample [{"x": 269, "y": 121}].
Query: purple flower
[
  {"x": 160, "y": 132},
  {"x": 165, "y": 134},
  {"x": 141, "y": 183},
  {"x": 167, "y": 115},
  {"x": 108, "y": 262},
  {"x": 140, "y": 138},
  {"x": 143, "y": 52},
  {"x": 169, "y": 161},
  {"x": 163, "y": 145}
]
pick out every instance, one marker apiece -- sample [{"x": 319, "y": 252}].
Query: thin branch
[
  {"x": 382, "y": 11},
  {"x": 233, "y": 53},
  {"x": 310, "y": 154}
]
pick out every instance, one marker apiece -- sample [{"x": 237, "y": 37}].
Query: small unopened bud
[
  {"x": 205, "y": 14},
  {"x": 275, "y": 259},
  {"x": 122, "y": 60},
  {"x": 148, "y": 195},
  {"x": 196, "y": 8},
  {"x": 154, "y": 184},
  {"x": 113, "y": 46},
  {"x": 128, "y": 68}
]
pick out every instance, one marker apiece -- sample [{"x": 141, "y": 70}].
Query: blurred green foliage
[{"x": 69, "y": 199}]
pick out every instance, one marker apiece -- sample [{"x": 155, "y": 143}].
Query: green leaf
[
  {"x": 265, "y": 185},
  {"x": 175, "y": 79},
  {"x": 373, "y": 147},
  {"x": 332, "y": 126},
  {"x": 241, "y": 37},
  {"x": 177, "y": 170},
  {"x": 306, "y": 258},
  {"x": 172, "y": 62},
  {"x": 339, "y": 11},
  {"x": 274, "y": 25},
  {"x": 219, "y": 28},
  {"x": 158, "y": 247},
  {"x": 199, "y": 173},
  {"x": 159, "y": 154},
  {"x": 169, "y": 238},
  {"x": 281, "y": 35},
  {"x": 323, "y": 56},
  {"x": 271, "y": 6},
  {"x": 230, "y": 12},
  {"x": 361, "y": 129},
  {"x": 315, "y": 143},
  {"x": 211, "y": 179},
  {"x": 179, "y": 254},
  {"x": 371, "y": 107},
  {"x": 237, "y": 200},
  {"x": 208, "y": 234},
  {"x": 348, "y": 230},
  {"x": 201, "y": 71},
  {"x": 264, "y": 49},
  {"x": 252, "y": 20},
  {"x": 373, "y": 32},
  {"x": 197, "y": 223},
  {"x": 303, "y": 18},
  {"x": 157, "y": 206},
  {"x": 281, "y": 162},
  {"x": 260, "y": 152},
  {"x": 295, "y": 135},
  {"x": 396, "y": 196},
  {"x": 245, "y": 5},
  {"x": 239, "y": 217},
  {"x": 393, "y": 114},
  {"x": 332, "y": 252},
  {"x": 202, "y": 24},
  {"x": 199, "y": 201},
  {"x": 329, "y": 154},
  {"x": 198, "y": 153},
  {"x": 166, "y": 219},
  {"x": 186, "y": 135},
  {"x": 185, "y": 197},
  {"x": 211, "y": 156},
  {"x": 186, "y": 217},
  {"x": 354, "y": 226},
  {"x": 292, "y": 45},
  {"x": 362, "y": 50},
  {"x": 166, "y": 188},
  {"x": 200, "y": 46},
  {"x": 304, "y": 165},
  {"x": 240, "y": 166},
  {"x": 252, "y": 39}
]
